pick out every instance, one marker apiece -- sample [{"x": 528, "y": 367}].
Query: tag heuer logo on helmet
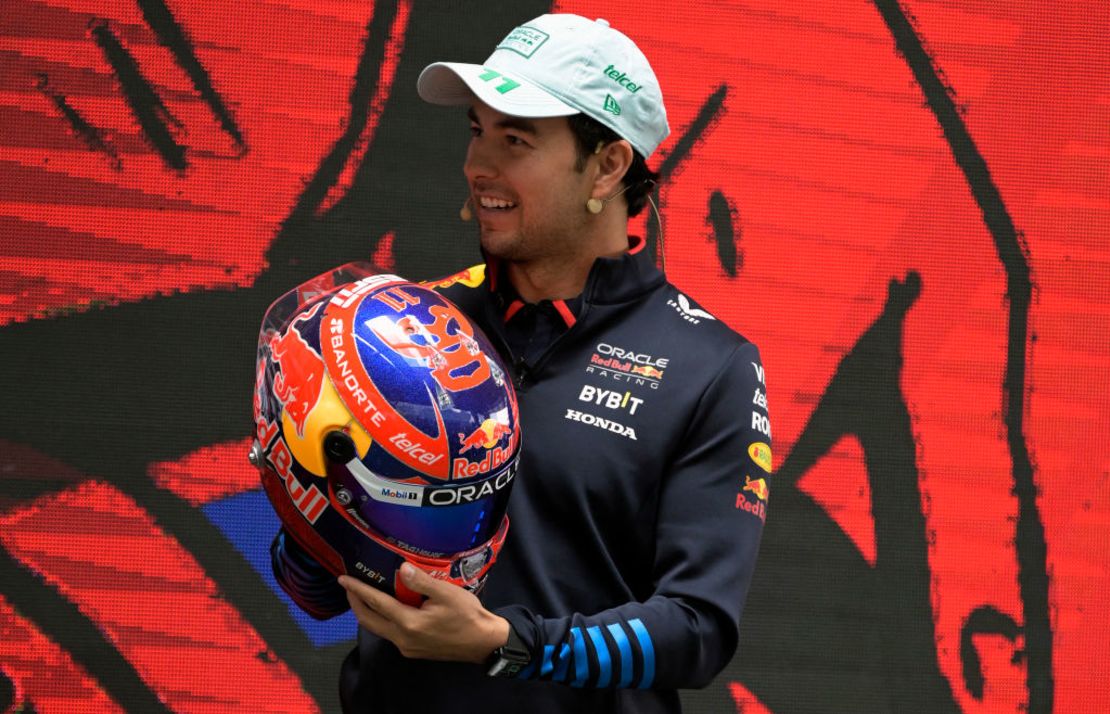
[
  {"x": 524, "y": 40},
  {"x": 621, "y": 78},
  {"x": 611, "y": 105}
]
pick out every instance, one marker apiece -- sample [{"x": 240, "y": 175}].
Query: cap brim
[{"x": 454, "y": 83}]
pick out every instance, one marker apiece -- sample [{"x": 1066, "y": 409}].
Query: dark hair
[{"x": 639, "y": 179}]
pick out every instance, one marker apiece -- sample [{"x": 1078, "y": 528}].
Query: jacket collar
[
  {"x": 623, "y": 278},
  {"x": 610, "y": 280}
]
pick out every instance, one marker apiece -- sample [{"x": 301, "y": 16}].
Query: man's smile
[{"x": 492, "y": 202}]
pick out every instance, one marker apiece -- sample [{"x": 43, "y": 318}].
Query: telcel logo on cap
[{"x": 622, "y": 79}]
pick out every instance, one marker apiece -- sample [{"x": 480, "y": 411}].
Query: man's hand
[{"x": 451, "y": 625}]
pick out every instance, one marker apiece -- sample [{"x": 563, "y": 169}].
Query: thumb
[{"x": 421, "y": 582}]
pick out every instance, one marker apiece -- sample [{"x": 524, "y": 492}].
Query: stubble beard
[{"x": 528, "y": 244}]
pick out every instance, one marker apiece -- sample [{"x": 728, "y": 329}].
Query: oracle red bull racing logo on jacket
[{"x": 627, "y": 365}]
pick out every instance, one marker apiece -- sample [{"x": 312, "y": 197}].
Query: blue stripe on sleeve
[
  {"x": 548, "y": 665},
  {"x": 602, "y": 651},
  {"x": 625, "y": 648},
  {"x": 562, "y": 664},
  {"x": 647, "y": 649},
  {"x": 581, "y": 664}
]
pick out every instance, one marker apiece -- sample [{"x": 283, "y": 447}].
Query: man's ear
[{"x": 613, "y": 162}]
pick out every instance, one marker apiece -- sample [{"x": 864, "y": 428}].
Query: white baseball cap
[{"x": 558, "y": 65}]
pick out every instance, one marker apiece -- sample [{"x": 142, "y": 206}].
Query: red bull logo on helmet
[
  {"x": 486, "y": 436},
  {"x": 494, "y": 458},
  {"x": 300, "y": 379},
  {"x": 309, "y": 501}
]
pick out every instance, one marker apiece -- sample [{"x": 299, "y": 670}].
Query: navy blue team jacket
[{"x": 635, "y": 517}]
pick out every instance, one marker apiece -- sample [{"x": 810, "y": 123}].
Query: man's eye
[
  {"x": 514, "y": 140},
  {"x": 475, "y": 130}
]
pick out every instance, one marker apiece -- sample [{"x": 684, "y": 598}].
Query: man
[{"x": 641, "y": 493}]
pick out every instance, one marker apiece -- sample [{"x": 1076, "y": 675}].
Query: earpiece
[{"x": 597, "y": 205}]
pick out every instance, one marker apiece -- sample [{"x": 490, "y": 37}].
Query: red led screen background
[{"x": 904, "y": 203}]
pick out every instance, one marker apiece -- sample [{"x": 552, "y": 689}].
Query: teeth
[{"x": 488, "y": 202}]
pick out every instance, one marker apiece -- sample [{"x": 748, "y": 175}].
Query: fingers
[
  {"x": 386, "y": 617},
  {"x": 371, "y": 620},
  {"x": 450, "y": 625},
  {"x": 377, "y": 603},
  {"x": 419, "y": 581}
]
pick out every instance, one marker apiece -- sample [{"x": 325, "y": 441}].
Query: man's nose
[{"x": 480, "y": 163}]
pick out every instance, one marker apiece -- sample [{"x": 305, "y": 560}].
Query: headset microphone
[
  {"x": 659, "y": 222},
  {"x": 596, "y": 205}
]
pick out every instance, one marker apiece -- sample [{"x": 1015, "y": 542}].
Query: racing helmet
[{"x": 386, "y": 429}]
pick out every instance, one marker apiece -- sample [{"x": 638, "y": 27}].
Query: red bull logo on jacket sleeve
[
  {"x": 758, "y": 506},
  {"x": 758, "y": 487}
]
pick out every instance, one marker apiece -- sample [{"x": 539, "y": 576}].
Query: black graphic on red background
[{"x": 901, "y": 202}]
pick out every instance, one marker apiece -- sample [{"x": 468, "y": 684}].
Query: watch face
[{"x": 503, "y": 667}]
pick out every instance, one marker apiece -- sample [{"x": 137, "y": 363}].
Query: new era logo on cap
[{"x": 558, "y": 65}]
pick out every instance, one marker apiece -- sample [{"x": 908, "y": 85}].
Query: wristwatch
[{"x": 509, "y": 659}]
